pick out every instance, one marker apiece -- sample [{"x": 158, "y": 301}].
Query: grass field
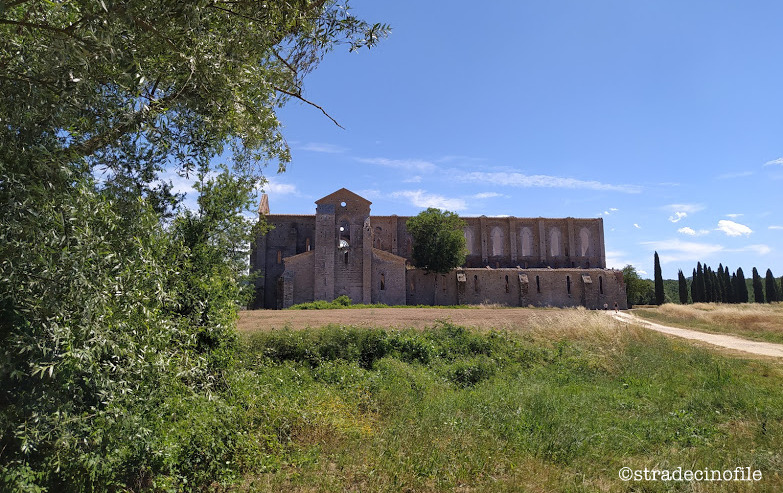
[
  {"x": 560, "y": 403},
  {"x": 763, "y": 322}
]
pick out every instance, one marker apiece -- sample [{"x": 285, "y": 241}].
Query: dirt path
[{"x": 725, "y": 341}]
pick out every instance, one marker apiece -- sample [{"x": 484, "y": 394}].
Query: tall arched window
[
  {"x": 497, "y": 241},
  {"x": 554, "y": 242},
  {"x": 527, "y": 242},
  {"x": 584, "y": 242},
  {"x": 568, "y": 284},
  {"x": 469, "y": 240}
]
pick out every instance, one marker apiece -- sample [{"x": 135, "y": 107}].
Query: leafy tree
[
  {"x": 638, "y": 291},
  {"x": 758, "y": 289},
  {"x": 659, "y": 296},
  {"x": 438, "y": 240},
  {"x": 117, "y": 307},
  {"x": 771, "y": 287},
  {"x": 683, "y": 287}
]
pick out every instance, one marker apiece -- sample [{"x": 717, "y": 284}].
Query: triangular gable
[{"x": 342, "y": 195}]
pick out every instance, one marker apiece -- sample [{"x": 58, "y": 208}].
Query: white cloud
[
  {"x": 775, "y": 227},
  {"x": 641, "y": 272},
  {"x": 678, "y": 216},
  {"x": 412, "y": 179},
  {"x": 757, "y": 249},
  {"x": 321, "y": 147},
  {"x": 274, "y": 187},
  {"x": 544, "y": 181},
  {"x": 733, "y": 229},
  {"x": 636, "y": 226},
  {"x": 778, "y": 161},
  {"x": 686, "y": 208},
  {"x": 420, "y": 198},
  {"x": 676, "y": 250},
  {"x": 407, "y": 164},
  {"x": 488, "y": 195},
  {"x": 734, "y": 216},
  {"x": 691, "y": 232},
  {"x": 613, "y": 209}
]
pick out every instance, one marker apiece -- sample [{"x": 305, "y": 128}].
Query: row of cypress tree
[{"x": 721, "y": 286}]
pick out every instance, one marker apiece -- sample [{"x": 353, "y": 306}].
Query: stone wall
[{"x": 590, "y": 288}]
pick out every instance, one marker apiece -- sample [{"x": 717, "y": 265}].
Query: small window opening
[
  {"x": 279, "y": 256},
  {"x": 475, "y": 284},
  {"x": 307, "y": 245},
  {"x": 506, "y": 284},
  {"x": 600, "y": 284},
  {"x": 568, "y": 284},
  {"x": 345, "y": 255},
  {"x": 343, "y": 204},
  {"x": 538, "y": 284},
  {"x": 383, "y": 282}
]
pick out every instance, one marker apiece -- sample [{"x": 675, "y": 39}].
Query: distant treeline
[
  {"x": 705, "y": 285},
  {"x": 723, "y": 286}
]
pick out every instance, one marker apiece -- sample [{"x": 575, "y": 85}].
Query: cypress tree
[
  {"x": 758, "y": 289},
  {"x": 659, "y": 296},
  {"x": 700, "y": 289},
  {"x": 709, "y": 288},
  {"x": 694, "y": 289},
  {"x": 721, "y": 285},
  {"x": 683, "y": 285},
  {"x": 771, "y": 287},
  {"x": 728, "y": 282},
  {"x": 741, "y": 288}
]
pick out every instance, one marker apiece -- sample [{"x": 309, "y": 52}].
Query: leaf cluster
[{"x": 438, "y": 240}]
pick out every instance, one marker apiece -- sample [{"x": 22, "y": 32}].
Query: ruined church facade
[{"x": 514, "y": 261}]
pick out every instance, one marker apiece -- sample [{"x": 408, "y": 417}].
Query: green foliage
[
  {"x": 494, "y": 401},
  {"x": 758, "y": 287},
  {"x": 771, "y": 288},
  {"x": 438, "y": 240},
  {"x": 117, "y": 306},
  {"x": 638, "y": 291}
]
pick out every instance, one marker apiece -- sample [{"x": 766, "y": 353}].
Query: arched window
[
  {"x": 344, "y": 236},
  {"x": 468, "y": 240},
  {"x": 475, "y": 284},
  {"x": 568, "y": 284},
  {"x": 527, "y": 242},
  {"x": 506, "y": 284},
  {"x": 584, "y": 242},
  {"x": 554, "y": 242},
  {"x": 601, "y": 284},
  {"x": 538, "y": 284},
  {"x": 307, "y": 245},
  {"x": 383, "y": 282},
  {"x": 497, "y": 241}
]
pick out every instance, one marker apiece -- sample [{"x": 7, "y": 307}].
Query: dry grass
[{"x": 750, "y": 320}]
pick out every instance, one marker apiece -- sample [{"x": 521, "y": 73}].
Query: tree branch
[
  {"x": 298, "y": 95},
  {"x": 42, "y": 27}
]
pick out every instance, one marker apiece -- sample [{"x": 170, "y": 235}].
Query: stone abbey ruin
[{"x": 514, "y": 261}]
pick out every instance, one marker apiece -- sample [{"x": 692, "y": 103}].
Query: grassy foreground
[
  {"x": 560, "y": 407},
  {"x": 762, "y": 322}
]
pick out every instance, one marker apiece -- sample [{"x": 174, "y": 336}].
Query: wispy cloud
[
  {"x": 692, "y": 232},
  {"x": 778, "y": 162},
  {"x": 420, "y": 198},
  {"x": 686, "y": 208},
  {"x": 275, "y": 187},
  {"x": 515, "y": 179},
  {"x": 775, "y": 227},
  {"x": 418, "y": 165},
  {"x": 733, "y": 229},
  {"x": 610, "y": 211},
  {"x": 757, "y": 249},
  {"x": 676, "y": 250},
  {"x": 636, "y": 226},
  {"x": 412, "y": 179},
  {"x": 488, "y": 195},
  {"x": 678, "y": 216},
  {"x": 322, "y": 147},
  {"x": 734, "y": 216}
]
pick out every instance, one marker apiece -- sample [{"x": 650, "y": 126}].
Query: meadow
[
  {"x": 758, "y": 321},
  {"x": 560, "y": 403}
]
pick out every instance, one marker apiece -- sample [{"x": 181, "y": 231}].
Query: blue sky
[{"x": 663, "y": 117}]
